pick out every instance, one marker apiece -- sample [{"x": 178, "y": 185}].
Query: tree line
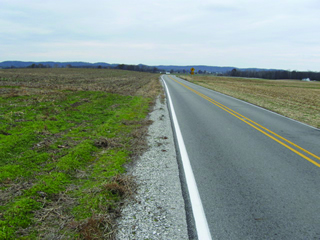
[
  {"x": 139, "y": 68},
  {"x": 264, "y": 74},
  {"x": 274, "y": 74}
]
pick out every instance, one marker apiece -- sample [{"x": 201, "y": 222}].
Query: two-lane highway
[{"x": 258, "y": 173}]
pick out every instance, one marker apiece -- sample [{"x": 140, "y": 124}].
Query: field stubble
[
  {"x": 294, "y": 99},
  {"x": 65, "y": 135}
]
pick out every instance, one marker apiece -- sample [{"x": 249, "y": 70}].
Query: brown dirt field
[{"x": 77, "y": 79}]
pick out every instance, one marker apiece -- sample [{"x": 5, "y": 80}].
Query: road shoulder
[{"x": 158, "y": 210}]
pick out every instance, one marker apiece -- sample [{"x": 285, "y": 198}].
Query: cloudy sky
[{"x": 282, "y": 34}]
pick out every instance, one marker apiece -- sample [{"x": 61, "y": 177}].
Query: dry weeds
[
  {"x": 55, "y": 221},
  {"x": 294, "y": 99}
]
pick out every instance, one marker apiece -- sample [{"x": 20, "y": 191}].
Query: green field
[{"x": 65, "y": 135}]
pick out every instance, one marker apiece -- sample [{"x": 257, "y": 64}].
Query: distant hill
[
  {"x": 197, "y": 68},
  {"x": 212, "y": 69},
  {"x": 20, "y": 64}
]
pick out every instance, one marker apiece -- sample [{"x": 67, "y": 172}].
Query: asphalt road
[{"x": 253, "y": 182}]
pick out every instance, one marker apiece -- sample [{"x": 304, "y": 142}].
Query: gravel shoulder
[{"x": 158, "y": 209}]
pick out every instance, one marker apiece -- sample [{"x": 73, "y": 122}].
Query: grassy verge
[
  {"x": 62, "y": 149},
  {"x": 294, "y": 99}
]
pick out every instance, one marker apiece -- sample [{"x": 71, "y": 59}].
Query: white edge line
[
  {"x": 196, "y": 204},
  {"x": 307, "y": 125}
]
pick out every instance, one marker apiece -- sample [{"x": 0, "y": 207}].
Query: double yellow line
[{"x": 283, "y": 141}]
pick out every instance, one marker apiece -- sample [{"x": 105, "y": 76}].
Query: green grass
[{"x": 59, "y": 149}]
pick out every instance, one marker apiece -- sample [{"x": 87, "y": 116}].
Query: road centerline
[{"x": 258, "y": 127}]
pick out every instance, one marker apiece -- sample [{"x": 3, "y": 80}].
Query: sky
[{"x": 280, "y": 34}]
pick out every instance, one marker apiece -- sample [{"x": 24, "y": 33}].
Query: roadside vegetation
[
  {"x": 294, "y": 99},
  {"x": 65, "y": 135}
]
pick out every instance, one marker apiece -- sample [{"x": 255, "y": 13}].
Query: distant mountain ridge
[
  {"x": 21, "y": 64},
  {"x": 213, "y": 69}
]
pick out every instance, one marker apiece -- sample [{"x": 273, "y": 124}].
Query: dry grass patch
[{"x": 294, "y": 99}]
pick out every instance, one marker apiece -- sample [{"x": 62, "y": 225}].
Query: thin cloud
[{"x": 242, "y": 33}]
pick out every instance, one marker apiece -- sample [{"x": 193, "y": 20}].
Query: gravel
[{"x": 158, "y": 210}]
